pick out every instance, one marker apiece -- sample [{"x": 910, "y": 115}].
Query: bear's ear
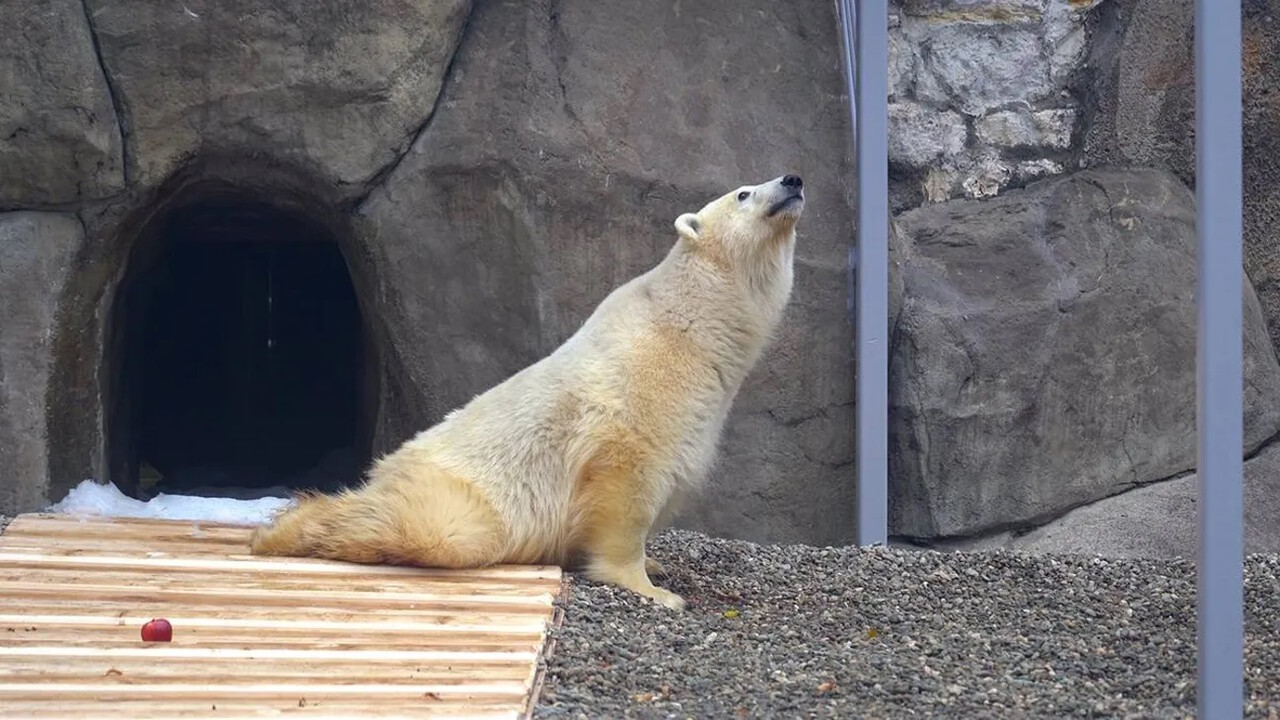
[{"x": 688, "y": 227}]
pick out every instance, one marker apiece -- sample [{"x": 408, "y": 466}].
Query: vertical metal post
[
  {"x": 869, "y": 116},
  {"x": 1219, "y": 355}
]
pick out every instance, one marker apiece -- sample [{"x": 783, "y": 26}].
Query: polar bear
[{"x": 578, "y": 458}]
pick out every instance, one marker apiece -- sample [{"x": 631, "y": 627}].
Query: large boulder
[
  {"x": 1141, "y": 111},
  {"x": 1160, "y": 521},
  {"x": 339, "y": 86},
  {"x": 532, "y": 194},
  {"x": 35, "y": 258},
  {"x": 59, "y": 135},
  {"x": 1045, "y": 353}
]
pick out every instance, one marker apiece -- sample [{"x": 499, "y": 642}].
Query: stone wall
[
  {"x": 981, "y": 94},
  {"x": 1031, "y": 376}
]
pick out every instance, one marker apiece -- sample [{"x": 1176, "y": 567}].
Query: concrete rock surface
[
  {"x": 1045, "y": 354},
  {"x": 1159, "y": 520},
  {"x": 981, "y": 94},
  {"x": 35, "y": 255},
  {"x": 340, "y": 86},
  {"x": 1142, "y": 112},
  {"x": 532, "y": 194},
  {"x": 60, "y": 139}
]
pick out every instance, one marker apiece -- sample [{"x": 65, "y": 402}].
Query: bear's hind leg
[
  {"x": 335, "y": 527},
  {"x": 446, "y": 523},
  {"x": 427, "y": 518}
]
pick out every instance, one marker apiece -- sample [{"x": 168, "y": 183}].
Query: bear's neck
[{"x": 731, "y": 311}]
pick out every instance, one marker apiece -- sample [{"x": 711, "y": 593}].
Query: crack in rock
[
  {"x": 112, "y": 92},
  {"x": 380, "y": 177}
]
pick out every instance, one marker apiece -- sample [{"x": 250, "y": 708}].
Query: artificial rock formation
[
  {"x": 526, "y": 197},
  {"x": 60, "y": 139},
  {"x": 1160, "y": 520},
  {"x": 1142, "y": 112},
  {"x": 981, "y": 94},
  {"x": 1045, "y": 353},
  {"x": 339, "y": 86},
  {"x": 35, "y": 253}
]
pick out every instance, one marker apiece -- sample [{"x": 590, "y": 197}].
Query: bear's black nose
[{"x": 792, "y": 181}]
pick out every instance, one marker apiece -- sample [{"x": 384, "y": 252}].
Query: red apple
[{"x": 157, "y": 630}]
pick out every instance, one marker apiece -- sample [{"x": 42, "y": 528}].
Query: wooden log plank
[
  {"x": 340, "y": 709},
  {"x": 156, "y": 523},
  {"x": 185, "y": 548},
  {"x": 285, "y": 598},
  {"x": 521, "y": 627},
  {"x": 107, "y": 670},
  {"x": 93, "y": 557},
  {"x": 190, "y": 548},
  {"x": 270, "y": 580},
  {"x": 63, "y": 570},
  {"x": 300, "y": 678},
  {"x": 148, "y": 608},
  {"x": 68, "y": 526},
  {"x": 146, "y": 524},
  {"x": 161, "y": 651},
  {"x": 214, "y": 683},
  {"x": 185, "y": 637},
  {"x": 403, "y": 584},
  {"x": 188, "y": 634},
  {"x": 486, "y": 644},
  {"x": 438, "y": 692},
  {"x": 17, "y": 623}
]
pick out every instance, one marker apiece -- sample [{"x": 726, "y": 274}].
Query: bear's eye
[{"x": 743, "y": 195}]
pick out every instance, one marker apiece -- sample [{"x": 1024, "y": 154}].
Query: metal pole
[
  {"x": 869, "y": 116},
  {"x": 1219, "y": 356}
]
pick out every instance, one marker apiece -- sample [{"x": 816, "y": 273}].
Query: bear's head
[{"x": 747, "y": 224}]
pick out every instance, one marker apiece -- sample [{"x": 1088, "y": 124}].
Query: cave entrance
[{"x": 239, "y": 362}]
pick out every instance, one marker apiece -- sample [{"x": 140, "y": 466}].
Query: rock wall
[
  {"x": 1156, "y": 520},
  {"x": 339, "y": 86},
  {"x": 988, "y": 97},
  {"x": 981, "y": 95},
  {"x": 483, "y": 211},
  {"x": 1045, "y": 353},
  {"x": 492, "y": 169},
  {"x": 1143, "y": 112},
  {"x": 35, "y": 254},
  {"x": 60, "y": 135}
]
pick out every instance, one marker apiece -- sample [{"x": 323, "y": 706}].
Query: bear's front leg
[
  {"x": 618, "y": 524},
  {"x": 617, "y": 557}
]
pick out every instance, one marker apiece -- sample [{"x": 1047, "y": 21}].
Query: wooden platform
[{"x": 254, "y": 636}]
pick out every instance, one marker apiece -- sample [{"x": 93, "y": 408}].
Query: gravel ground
[
  {"x": 798, "y": 631},
  {"x": 4, "y": 522}
]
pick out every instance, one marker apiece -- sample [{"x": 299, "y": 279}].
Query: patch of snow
[{"x": 106, "y": 500}]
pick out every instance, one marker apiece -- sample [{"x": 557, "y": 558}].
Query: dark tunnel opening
[{"x": 240, "y": 362}]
